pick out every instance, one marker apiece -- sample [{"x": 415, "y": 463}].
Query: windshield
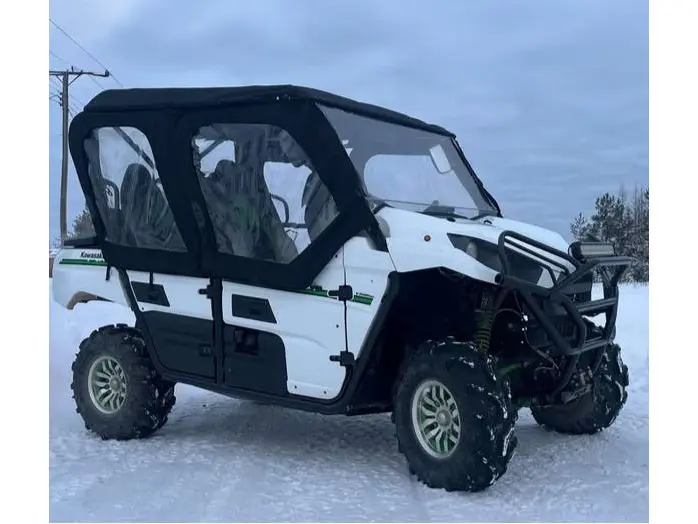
[{"x": 409, "y": 168}]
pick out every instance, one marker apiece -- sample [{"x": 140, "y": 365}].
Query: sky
[{"x": 548, "y": 99}]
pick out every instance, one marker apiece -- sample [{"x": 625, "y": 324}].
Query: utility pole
[{"x": 65, "y": 77}]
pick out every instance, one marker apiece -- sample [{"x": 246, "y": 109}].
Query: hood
[
  {"x": 407, "y": 223},
  {"x": 407, "y": 226}
]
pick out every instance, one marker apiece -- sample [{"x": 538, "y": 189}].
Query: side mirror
[{"x": 439, "y": 159}]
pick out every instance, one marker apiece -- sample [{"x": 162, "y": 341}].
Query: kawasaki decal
[{"x": 87, "y": 258}]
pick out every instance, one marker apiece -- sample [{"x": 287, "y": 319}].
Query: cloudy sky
[{"x": 549, "y": 98}]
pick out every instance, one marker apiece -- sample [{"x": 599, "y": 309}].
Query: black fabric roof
[{"x": 199, "y": 97}]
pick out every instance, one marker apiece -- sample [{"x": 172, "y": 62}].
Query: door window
[{"x": 263, "y": 194}]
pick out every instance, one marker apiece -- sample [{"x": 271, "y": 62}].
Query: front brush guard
[{"x": 533, "y": 294}]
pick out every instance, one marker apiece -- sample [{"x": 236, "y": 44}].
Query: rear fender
[{"x": 80, "y": 276}]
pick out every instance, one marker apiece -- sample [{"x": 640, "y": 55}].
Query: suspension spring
[{"x": 483, "y": 332}]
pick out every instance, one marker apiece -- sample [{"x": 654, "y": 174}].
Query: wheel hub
[
  {"x": 443, "y": 418},
  {"x": 107, "y": 385},
  {"x": 435, "y": 419}
]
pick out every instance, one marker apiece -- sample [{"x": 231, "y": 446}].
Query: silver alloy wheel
[
  {"x": 106, "y": 382},
  {"x": 435, "y": 419}
]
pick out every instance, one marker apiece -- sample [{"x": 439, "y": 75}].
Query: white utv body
[{"x": 294, "y": 247}]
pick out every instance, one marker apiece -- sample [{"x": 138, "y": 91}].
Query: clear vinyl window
[
  {"x": 409, "y": 168},
  {"x": 129, "y": 195},
  {"x": 263, "y": 194}
]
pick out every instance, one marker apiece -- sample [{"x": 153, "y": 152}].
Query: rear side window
[{"x": 128, "y": 191}]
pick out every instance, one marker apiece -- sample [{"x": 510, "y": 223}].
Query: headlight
[
  {"x": 487, "y": 254},
  {"x": 471, "y": 249},
  {"x": 483, "y": 252}
]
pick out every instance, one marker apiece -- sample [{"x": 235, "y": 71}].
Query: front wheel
[
  {"x": 598, "y": 409},
  {"x": 454, "y": 418}
]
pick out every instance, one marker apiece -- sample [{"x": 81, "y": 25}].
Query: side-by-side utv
[{"x": 293, "y": 247}]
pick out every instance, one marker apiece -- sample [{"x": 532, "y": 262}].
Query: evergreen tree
[
  {"x": 622, "y": 222},
  {"x": 82, "y": 226},
  {"x": 580, "y": 227}
]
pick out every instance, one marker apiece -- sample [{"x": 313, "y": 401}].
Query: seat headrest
[
  {"x": 238, "y": 178},
  {"x": 136, "y": 180}
]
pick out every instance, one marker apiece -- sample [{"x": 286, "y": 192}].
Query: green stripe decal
[
  {"x": 359, "y": 298},
  {"x": 362, "y": 298},
  {"x": 83, "y": 262}
]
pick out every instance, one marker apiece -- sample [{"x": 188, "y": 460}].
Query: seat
[
  {"x": 320, "y": 209},
  {"x": 245, "y": 214},
  {"x": 147, "y": 216}
]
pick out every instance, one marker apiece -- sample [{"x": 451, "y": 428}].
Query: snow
[{"x": 219, "y": 459}]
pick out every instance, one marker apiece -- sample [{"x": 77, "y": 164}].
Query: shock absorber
[{"x": 488, "y": 312}]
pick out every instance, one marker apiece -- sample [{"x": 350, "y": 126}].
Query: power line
[
  {"x": 54, "y": 55},
  {"x": 94, "y": 80},
  {"x": 76, "y": 99},
  {"x": 84, "y": 50},
  {"x": 54, "y": 91},
  {"x": 75, "y": 108}
]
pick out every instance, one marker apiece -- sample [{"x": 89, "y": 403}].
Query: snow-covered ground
[{"x": 219, "y": 459}]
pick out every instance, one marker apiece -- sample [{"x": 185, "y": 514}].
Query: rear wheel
[
  {"x": 117, "y": 391},
  {"x": 598, "y": 409},
  {"x": 454, "y": 418}
]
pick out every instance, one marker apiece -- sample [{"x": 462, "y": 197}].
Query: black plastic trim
[
  {"x": 150, "y": 293},
  {"x": 215, "y": 294},
  {"x": 183, "y": 343},
  {"x": 255, "y": 360},
  {"x": 252, "y": 308}
]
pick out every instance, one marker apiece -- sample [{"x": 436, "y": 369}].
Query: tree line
[{"x": 622, "y": 219}]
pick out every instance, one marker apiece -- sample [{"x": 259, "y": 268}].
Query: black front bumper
[{"x": 540, "y": 301}]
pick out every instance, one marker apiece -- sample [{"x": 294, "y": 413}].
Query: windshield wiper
[
  {"x": 442, "y": 213},
  {"x": 449, "y": 212},
  {"x": 436, "y": 210},
  {"x": 482, "y": 214}
]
